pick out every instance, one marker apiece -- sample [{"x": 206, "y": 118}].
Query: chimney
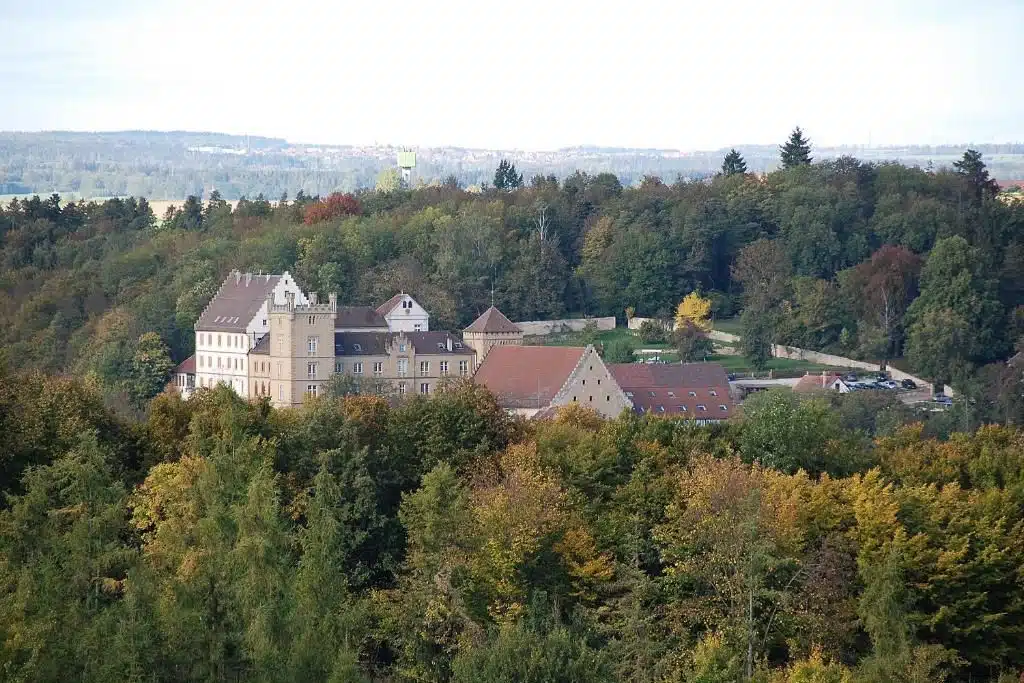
[
  {"x": 312, "y": 298},
  {"x": 332, "y": 299}
]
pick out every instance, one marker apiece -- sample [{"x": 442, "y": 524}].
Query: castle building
[
  {"x": 491, "y": 329},
  {"x": 401, "y": 363},
  {"x": 403, "y": 314},
  {"x": 296, "y": 357},
  {"x": 233, "y": 322}
]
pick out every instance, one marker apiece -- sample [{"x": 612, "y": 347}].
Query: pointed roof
[
  {"x": 391, "y": 303},
  {"x": 816, "y": 382},
  {"x": 492, "y": 320},
  {"x": 186, "y": 367}
]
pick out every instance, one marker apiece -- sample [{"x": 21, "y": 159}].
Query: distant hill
[{"x": 175, "y": 164}]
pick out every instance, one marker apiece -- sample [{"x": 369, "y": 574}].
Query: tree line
[
  {"x": 828, "y": 539},
  {"x": 875, "y": 261}
]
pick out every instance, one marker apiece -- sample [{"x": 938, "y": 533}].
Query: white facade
[
  {"x": 222, "y": 357},
  {"x": 407, "y": 315}
]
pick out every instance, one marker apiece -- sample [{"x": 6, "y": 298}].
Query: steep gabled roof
[
  {"x": 391, "y": 304},
  {"x": 697, "y": 390},
  {"x": 492, "y": 320},
  {"x": 237, "y": 302},
  {"x": 527, "y": 376}
]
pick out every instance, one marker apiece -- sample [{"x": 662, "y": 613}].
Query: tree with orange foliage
[{"x": 335, "y": 206}]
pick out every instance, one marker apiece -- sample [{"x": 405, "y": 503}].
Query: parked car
[
  {"x": 851, "y": 377},
  {"x": 942, "y": 399},
  {"x": 889, "y": 384},
  {"x": 908, "y": 384}
]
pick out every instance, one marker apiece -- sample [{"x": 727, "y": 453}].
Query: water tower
[{"x": 407, "y": 162}]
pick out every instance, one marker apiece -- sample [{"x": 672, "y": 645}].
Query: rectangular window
[
  {"x": 218, "y": 340},
  {"x": 403, "y": 367},
  {"x": 311, "y": 390},
  {"x": 378, "y": 368},
  {"x": 444, "y": 368},
  {"x": 401, "y": 347},
  {"x": 416, "y": 327},
  {"x": 424, "y": 367},
  {"x": 218, "y": 362},
  {"x": 311, "y": 370},
  {"x": 339, "y": 366},
  {"x": 424, "y": 388},
  {"x": 357, "y": 368},
  {"x": 311, "y": 345},
  {"x": 401, "y": 388},
  {"x": 280, "y": 392},
  {"x": 280, "y": 344},
  {"x": 463, "y": 367}
]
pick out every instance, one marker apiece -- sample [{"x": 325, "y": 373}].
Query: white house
[
  {"x": 403, "y": 314},
  {"x": 233, "y": 322}
]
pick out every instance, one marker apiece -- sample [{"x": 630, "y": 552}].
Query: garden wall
[{"x": 541, "y": 328}]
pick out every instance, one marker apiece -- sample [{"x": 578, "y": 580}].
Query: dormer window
[
  {"x": 693, "y": 394},
  {"x": 357, "y": 347},
  {"x": 701, "y": 406},
  {"x": 713, "y": 392}
]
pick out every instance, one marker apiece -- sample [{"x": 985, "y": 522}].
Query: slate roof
[
  {"x": 390, "y": 304},
  {"x": 492, "y": 320},
  {"x": 349, "y": 317},
  {"x": 262, "y": 346},
  {"x": 816, "y": 382},
  {"x": 697, "y": 390},
  {"x": 186, "y": 367},
  {"x": 236, "y": 302},
  {"x": 527, "y": 376},
  {"x": 376, "y": 343}
]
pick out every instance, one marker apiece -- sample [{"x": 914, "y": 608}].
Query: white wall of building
[
  {"x": 408, "y": 316},
  {"x": 222, "y": 357}
]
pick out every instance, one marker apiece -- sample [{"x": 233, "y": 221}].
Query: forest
[
  {"x": 816, "y": 540},
  {"x": 821, "y": 540},
  {"x": 920, "y": 268}
]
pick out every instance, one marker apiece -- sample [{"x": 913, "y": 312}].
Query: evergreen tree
[
  {"x": 796, "y": 151},
  {"x": 506, "y": 178},
  {"x": 733, "y": 164},
  {"x": 973, "y": 170}
]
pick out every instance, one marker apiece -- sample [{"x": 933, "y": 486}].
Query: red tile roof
[
  {"x": 527, "y": 376},
  {"x": 390, "y": 304},
  {"x": 816, "y": 382},
  {"x": 492, "y": 320},
  {"x": 186, "y": 367},
  {"x": 697, "y": 390}
]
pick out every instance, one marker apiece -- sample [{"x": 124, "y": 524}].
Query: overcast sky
[{"x": 522, "y": 74}]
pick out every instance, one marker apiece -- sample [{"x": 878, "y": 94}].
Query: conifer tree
[
  {"x": 733, "y": 164},
  {"x": 797, "y": 150}
]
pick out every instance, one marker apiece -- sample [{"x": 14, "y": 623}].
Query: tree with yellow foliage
[{"x": 694, "y": 310}]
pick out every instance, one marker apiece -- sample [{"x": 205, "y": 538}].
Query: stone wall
[
  {"x": 792, "y": 352},
  {"x": 541, "y": 328}
]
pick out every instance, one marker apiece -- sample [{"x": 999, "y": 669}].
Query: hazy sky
[{"x": 520, "y": 74}]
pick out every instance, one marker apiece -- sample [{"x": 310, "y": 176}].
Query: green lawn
[
  {"x": 780, "y": 367},
  {"x": 729, "y": 325},
  {"x": 582, "y": 339}
]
